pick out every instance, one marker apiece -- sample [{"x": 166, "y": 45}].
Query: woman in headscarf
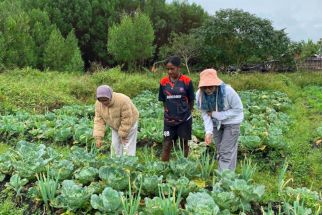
[
  {"x": 117, "y": 111},
  {"x": 222, "y": 112}
]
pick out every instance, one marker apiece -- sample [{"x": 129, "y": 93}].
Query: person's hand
[
  {"x": 99, "y": 142},
  {"x": 208, "y": 139},
  {"x": 124, "y": 140}
]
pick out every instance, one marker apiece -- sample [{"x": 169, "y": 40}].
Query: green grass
[
  {"x": 306, "y": 160},
  {"x": 32, "y": 90},
  {"x": 36, "y": 91},
  {"x": 314, "y": 98},
  {"x": 4, "y": 147},
  {"x": 8, "y": 207}
]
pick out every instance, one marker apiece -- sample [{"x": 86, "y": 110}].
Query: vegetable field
[{"x": 51, "y": 164}]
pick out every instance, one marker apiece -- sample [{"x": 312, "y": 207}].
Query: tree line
[{"x": 72, "y": 35}]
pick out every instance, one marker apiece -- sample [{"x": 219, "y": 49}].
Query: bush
[
  {"x": 122, "y": 82},
  {"x": 32, "y": 90}
]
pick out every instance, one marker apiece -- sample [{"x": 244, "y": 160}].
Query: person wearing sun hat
[
  {"x": 117, "y": 111},
  {"x": 222, "y": 112}
]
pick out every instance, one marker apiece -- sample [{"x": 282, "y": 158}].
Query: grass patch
[
  {"x": 3, "y": 148},
  {"x": 36, "y": 91},
  {"x": 8, "y": 207}
]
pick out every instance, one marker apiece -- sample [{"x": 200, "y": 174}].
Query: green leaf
[
  {"x": 201, "y": 203},
  {"x": 109, "y": 201}
]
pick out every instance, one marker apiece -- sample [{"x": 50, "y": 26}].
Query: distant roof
[{"x": 315, "y": 57}]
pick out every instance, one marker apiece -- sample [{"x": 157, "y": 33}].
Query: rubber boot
[{"x": 166, "y": 150}]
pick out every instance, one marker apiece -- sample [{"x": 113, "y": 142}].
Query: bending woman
[{"x": 222, "y": 112}]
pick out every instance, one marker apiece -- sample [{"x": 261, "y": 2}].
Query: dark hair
[{"x": 174, "y": 60}]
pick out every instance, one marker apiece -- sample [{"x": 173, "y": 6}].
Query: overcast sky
[{"x": 301, "y": 18}]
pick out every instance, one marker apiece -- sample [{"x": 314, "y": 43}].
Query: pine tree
[
  {"x": 2, "y": 50},
  {"x": 144, "y": 34},
  {"x": 74, "y": 61},
  {"x": 54, "y": 51},
  {"x": 121, "y": 41},
  {"x": 131, "y": 41},
  {"x": 19, "y": 47},
  {"x": 40, "y": 29}
]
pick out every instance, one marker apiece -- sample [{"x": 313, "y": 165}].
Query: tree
[
  {"x": 61, "y": 54},
  {"x": 18, "y": 47},
  {"x": 40, "y": 29},
  {"x": 2, "y": 51},
  {"x": 54, "y": 51},
  {"x": 104, "y": 15},
  {"x": 121, "y": 40},
  {"x": 73, "y": 14},
  {"x": 131, "y": 41},
  {"x": 91, "y": 20},
  {"x": 308, "y": 49},
  {"x": 184, "y": 45},
  {"x": 238, "y": 37},
  {"x": 144, "y": 37},
  {"x": 73, "y": 58},
  {"x": 319, "y": 43},
  {"x": 186, "y": 16},
  {"x": 177, "y": 17}
]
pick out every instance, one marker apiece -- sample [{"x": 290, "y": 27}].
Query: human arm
[{"x": 235, "y": 106}]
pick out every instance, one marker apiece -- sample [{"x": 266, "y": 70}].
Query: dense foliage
[
  {"x": 131, "y": 41},
  {"x": 33, "y": 33}
]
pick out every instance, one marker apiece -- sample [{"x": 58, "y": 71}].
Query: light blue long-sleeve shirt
[{"x": 232, "y": 113}]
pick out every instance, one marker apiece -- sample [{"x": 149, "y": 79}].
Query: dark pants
[{"x": 172, "y": 133}]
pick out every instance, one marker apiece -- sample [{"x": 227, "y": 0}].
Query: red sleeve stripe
[
  {"x": 186, "y": 80},
  {"x": 164, "y": 81}
]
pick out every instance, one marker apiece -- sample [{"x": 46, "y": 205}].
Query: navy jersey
[{"x": 177, "y": 97}]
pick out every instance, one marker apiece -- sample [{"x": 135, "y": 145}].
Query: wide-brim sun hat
[{"x": 208, "y": 77}]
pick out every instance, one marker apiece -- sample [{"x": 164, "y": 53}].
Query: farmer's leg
[
  {"x": 130, "y": 147},
  {"x": 229, "y": 146},
  {"x": 169, "y": 138},
  {"x": 184, "y": 132},
  {"x": 117, "y": 147},
  {"x": 217, "y": 137}
]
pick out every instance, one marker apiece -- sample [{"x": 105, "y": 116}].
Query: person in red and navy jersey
[{"x": 177, "y": 94}]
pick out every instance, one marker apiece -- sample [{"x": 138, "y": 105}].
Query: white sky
[{"x": 301, "y": 18}]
